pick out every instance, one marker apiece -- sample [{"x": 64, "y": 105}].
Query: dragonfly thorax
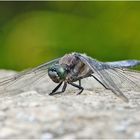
[{"x": 57, "y": 73}]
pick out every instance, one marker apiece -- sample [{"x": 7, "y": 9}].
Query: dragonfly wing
[
  {"x": 25, "y": 78},
  {"x": 107, "y": 76}
]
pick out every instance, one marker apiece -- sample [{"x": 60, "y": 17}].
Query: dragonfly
[{"x": 72, "y": 68}]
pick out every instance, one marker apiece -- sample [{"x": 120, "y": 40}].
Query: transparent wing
[
  {"x": 125, "y": 78},
  {"x": 114, "y": 79},
  {"x": 26, "y": 78}
]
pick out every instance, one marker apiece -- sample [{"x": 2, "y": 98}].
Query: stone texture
[{"x": 96, "y": 113}]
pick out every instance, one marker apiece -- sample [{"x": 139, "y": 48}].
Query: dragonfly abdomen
[{"x": 124, "y": 63}]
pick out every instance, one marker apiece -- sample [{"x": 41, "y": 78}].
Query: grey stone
[{"x": 96, "y": 113}]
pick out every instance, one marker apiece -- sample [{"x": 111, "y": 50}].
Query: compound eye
[{"x": 53, "y": 75}]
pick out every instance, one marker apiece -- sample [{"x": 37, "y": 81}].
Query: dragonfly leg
[
  {"x": 78, "y": 86},
  {"x": 80, "y": 82},
  {"x": 100, "y": 82},
  {"x": 58, "y": 86}
]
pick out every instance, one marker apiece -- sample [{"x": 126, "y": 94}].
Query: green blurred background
[{"x": 32, "y": 33}]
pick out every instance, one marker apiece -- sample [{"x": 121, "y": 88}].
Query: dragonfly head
[{"x": 57, "y": 73}]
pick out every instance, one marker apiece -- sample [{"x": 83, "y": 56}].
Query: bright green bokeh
[{"x": 104, "y": 30}]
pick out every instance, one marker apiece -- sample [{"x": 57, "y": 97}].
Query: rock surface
[{"x": 96, "y": 113}]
